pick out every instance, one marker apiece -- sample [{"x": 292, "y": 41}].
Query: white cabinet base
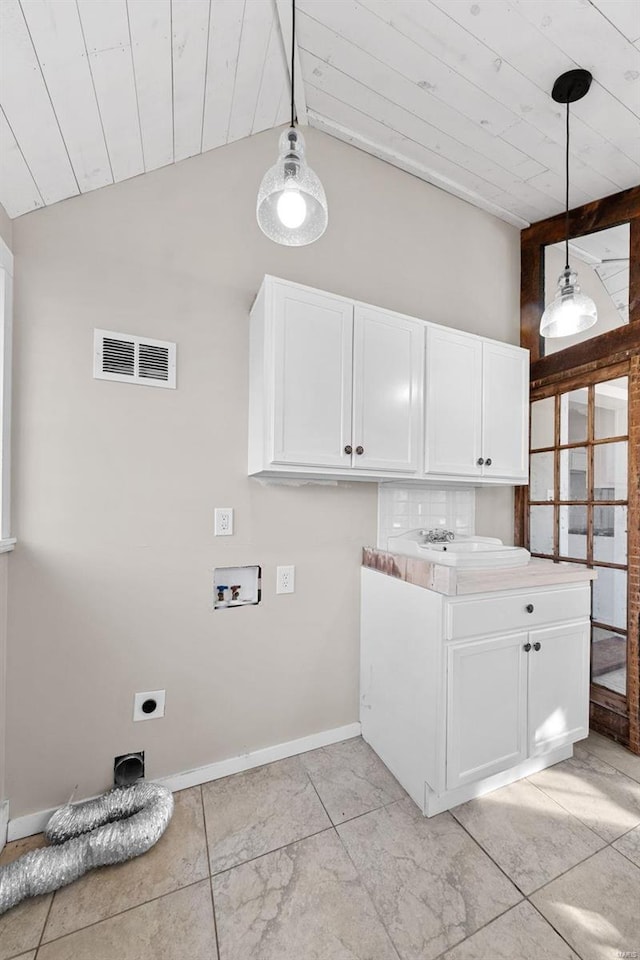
[{"x": 433, "y": 802}]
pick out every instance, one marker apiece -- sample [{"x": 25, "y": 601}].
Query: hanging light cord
[
  {"x": 293, "y": 44},
  {"x": 566, "y": 203}
]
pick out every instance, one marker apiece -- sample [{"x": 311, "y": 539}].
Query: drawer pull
[
  {"x": 529, "y": 608},
  {"x": 488, "y": 462},
  {"x": 537, "y": 645},
  {"x": 348, "y": 448},
  {"x": 359, "y": 451},
  {"x": 480, "y": 461},
  {"x": 527, "y": 647}
]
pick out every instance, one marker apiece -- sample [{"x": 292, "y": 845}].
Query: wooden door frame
[{"x": 585, "y": 360}]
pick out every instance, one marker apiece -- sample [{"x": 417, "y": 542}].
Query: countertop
[{"x": 453, "y": 583}]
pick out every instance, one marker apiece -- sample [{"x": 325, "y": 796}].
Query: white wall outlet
[
  {"x": 223, "y": 521},
  {"x": 285, "y": 579},
  {"x": 149, "y": 705}
]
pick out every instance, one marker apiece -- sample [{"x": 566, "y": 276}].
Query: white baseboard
[
  {"x": 31, "y": 823},
  {"x": 4, "y": 822}
]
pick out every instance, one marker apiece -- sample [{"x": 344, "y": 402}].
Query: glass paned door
[{"x": 578, "y": 506}]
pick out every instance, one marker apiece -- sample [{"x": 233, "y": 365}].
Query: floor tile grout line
[
  {"x": 583, "y": 744},
  {"x": 596, "y": 756},
  {"x": 283, "y": 846},
  {"x": 553, "y": 927},
  {"x": 365, "y": 887},
  {"x": 565, "y": 872},
  {"x": 486, "y": 852},
  {"x": 583, "y": 822},
  {"x": 206, "y": 843},
  {"x": 120, "y": 913},
  {"x": 484, "y": 925},
  {"x": 571, "y": 813}
]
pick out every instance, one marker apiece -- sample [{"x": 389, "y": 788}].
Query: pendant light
[
  {"x": 292, "y": 206},
  {"x": 571, "y": 311}
]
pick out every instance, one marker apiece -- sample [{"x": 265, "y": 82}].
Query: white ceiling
[{"x": 454, "y": 91}]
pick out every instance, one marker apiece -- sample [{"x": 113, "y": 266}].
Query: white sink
[{"x": 464, "y": 552}]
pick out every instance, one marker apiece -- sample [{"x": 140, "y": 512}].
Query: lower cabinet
[
  {"x": 513, "y": 697},
  {"x": 462, "y": 695}
]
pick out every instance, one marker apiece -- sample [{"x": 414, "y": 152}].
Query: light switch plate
[
  {"x": 285, "y": 579},
  {"x": 223, "y": 521}
]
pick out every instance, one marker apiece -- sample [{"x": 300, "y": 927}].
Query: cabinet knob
[
  {"x": 480, "y": 461},
  {"x": 488, "y": 462},
  {"x": 537, "y": 645},
  {"x": 527, "y": 647},
  {"x": 359, "y": 450},
  {"x": 529, "y": 608},
  {"x": 348, "y": 448}
]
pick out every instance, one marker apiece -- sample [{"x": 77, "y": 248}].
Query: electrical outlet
[
  {"x": 285, "y": 579},
  {"x": 149, "y": 706},
  {"x": 223, "y": 521}
]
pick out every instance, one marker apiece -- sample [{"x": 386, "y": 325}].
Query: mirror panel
[{"x": 601, "y": 261}]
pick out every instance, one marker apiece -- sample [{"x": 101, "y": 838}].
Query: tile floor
[{"x": 324, "y": 857}]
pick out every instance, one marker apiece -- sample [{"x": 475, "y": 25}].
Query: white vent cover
[{"x": 129, "y": 359}]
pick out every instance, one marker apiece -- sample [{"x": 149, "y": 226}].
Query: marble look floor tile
[
  {"x": 252, "y": 813},
  {"x": 177, "y": 926},
  {"x": 629, "y": 845},
  {"x": 595, "y": 906},
  {"x": 613, "y": 753},
  {"x": 596, "y": 793},
  {"x": 303, "y": 902},
  {"x": 21, "y": 927},
  {"x": 519, "y": 934},
  {"x": 351, "y": 779},
  {"x": 531, "y": 837},
  {"x": 27, "y": 956},
  {"x": 432, "y": 885},
  {"x": 178, "y": 859}
]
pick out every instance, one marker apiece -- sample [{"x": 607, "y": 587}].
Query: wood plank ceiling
[{"x": 454, "y": 91}]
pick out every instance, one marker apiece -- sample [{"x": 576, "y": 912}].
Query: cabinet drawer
[{"x": 499, "y": 614}]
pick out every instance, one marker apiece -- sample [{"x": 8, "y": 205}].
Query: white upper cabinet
[
  {"x": 387, "y": 391},
  {"x": 477, "y": 407},
  {"x": 335, "y": 386},
  {"x": 505, "y": 410},
  {"x": 337, "y": 389},
  {"x": 454, "y": 409},
  {"x": 312, "y": 337}
]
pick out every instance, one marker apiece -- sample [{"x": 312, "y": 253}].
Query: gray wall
[
  {"x": 115, "y": 485},
  {"x": 6, "y": 233}
]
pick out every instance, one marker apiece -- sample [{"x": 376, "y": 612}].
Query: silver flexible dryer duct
[{"x": 117, "y": 826}]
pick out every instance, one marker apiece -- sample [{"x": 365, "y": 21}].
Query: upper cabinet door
[
  {"x": 505, "y": 406},
  {"x": 453, "y": 441},
  {"x": 387, "y": 391},
  {"x": 312, "y": 341}
]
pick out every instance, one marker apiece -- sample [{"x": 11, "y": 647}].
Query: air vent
[{"x": 129, "y": 359}]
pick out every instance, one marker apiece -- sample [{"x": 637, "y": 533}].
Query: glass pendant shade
[
  {"x": 570, "y": 312},
  {"x": 292, "y": 206}
]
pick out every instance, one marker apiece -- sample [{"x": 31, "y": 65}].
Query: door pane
[
  {"x": 610, "y": 534},
  {"x": 541, "y": 530},
  {"x": 573, "y": 474},
  {"x": 610, "y": 471},
  {"x": 610, "y": 597},
  {"x": 541, "y": 476},
  {"x": 610, "y": 415},
  {"x": 543, "y": 423},
  {"x": 573, "y": 532},
  {"x": 609, "y": 660},
  {"x": 573, "y": 416}
]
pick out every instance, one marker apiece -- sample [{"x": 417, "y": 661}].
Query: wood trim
[
  {"x": 597, "y": 215},
  {"x": 612, "y": 354},
  {"x": 614, "y": 345},
  {"x": 610, "y": 211}
]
